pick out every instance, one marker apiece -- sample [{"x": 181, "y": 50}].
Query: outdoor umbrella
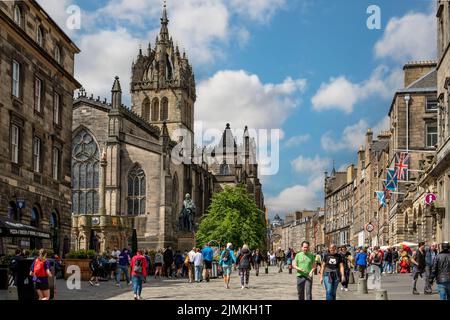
[{"x": 134, "y": 242}]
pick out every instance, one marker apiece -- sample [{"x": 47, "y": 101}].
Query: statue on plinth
[{"x": 187, "y": 214}]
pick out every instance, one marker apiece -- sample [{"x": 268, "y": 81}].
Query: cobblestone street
[{"x": 271, "y": 286}]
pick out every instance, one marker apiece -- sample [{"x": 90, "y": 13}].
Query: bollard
[
  {"x": 362, "y": 286},
  {"x": 381, "y": 294}
]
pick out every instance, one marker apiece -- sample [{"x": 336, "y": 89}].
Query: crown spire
[{"x": 164, "y": 32}]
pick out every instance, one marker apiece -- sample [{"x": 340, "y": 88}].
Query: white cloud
[
  {"x": 411, "y": 37},
  {"x": 297, "y": 197},
  {"x": 242, "y": 99},
  {"x": 105, "y": 55},
  {"x": 310, "y": 165},
  {"x": 295, "y": 141},
  {"x": 340, "y": 93},
  {"x": 353, "y": 136},
  {"x": 258, "y": 10}
]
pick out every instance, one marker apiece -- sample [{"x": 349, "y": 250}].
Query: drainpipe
[{"x": 407, "y": 99}]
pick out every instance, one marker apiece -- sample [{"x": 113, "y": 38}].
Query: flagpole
[{"x": 414, "y": 151}]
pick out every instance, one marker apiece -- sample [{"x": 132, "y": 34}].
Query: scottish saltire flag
[
  {"x": 391, "y": 181},
  {"x": 402, "y": 165},
  {"x": 381, "y": 198},
  {"x": 387, "y": 193}
]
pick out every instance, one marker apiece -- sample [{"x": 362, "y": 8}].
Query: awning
[{"x": 11, "y": 228}]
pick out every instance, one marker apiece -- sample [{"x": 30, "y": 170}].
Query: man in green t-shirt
[{"x": 304, "y": 263}]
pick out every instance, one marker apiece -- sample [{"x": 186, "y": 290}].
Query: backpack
[
  {"x": 226, "y": 255},
  {"x": 138, "y": 266},
  {"x": 39, "y": 269},
  {"x": 376, "y": 258},
  {"x": 186, "y": 261}
]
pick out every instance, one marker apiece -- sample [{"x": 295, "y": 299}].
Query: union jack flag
[{"x": 402, "y": 165}]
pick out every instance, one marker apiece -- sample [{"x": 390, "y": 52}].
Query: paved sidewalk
[{"x": 272, "y": 286}]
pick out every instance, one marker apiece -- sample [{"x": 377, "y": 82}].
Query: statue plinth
[{"x": 186, "y": 240}]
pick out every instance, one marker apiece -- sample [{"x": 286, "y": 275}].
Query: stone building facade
[
  {"x": 36, "y": 96},
  {"x": 129, "y": 172},
  {"x": 338, "y": 206},
  {"x": 417, "y": 136}
]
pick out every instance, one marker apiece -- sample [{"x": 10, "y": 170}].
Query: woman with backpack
[
  {"x": 245, "y": 261},
  {"x": 138, "y": 273},
  {"x": 158, "y": 263},
  {"x": 227, "y": 259},
  {"x": 40, "y": 271}
]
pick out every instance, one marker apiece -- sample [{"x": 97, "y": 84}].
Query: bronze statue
[{"x": 187, "y": 214}]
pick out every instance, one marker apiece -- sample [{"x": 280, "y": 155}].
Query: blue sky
[{"x": 311, "y": 68}]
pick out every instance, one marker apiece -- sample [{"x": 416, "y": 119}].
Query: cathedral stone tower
[{"x": 163, "y": 84}]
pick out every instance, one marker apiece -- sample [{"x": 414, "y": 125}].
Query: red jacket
[{"x": 144, "y": 265}]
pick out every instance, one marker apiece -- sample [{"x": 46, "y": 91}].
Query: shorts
[
  {"x": 208, "y": 264},
  {"x": 226, "y": 270},
  {"x": 159, "y": 264},
  {"x": 43, "y": 286}
]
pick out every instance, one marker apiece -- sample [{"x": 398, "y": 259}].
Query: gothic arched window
[
  {"x": 85, "y": 174},
  {"x": 155, "y": 109},
  {"x": 136, "y": 191},
  {"x": 164, "y": 109},
  {"x": 146, "y": 109}
]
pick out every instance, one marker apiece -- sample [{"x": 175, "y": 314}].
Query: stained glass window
[
  {"x": 85, "y": 174},
  {"x": 136, "y": 191}
]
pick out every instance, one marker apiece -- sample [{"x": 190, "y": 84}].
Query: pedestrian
[
  {"x": 227, "y": 259},
  {"x": 94, "y": 265},
  {"x": 395, "y": 258},
  {"x": 273, "y": 259},
  {"x": 40, "y": 271},
  {"x": 149, "y": 263},
  {"x": 376, "y": 259},
  {"x": 198, "y": 264},
  {"x": 430, "y": 254},
  {"x": 361, "y": 262},
  {"x": 332, "y": 272},
  {"x": 168, "y": 261},
  {"x": 138, "y": 273},
  {"x": 280, "y": 259},
  {"x": 191, "y": 270},
  {"x": 208, "y": 256},
  {"x": 124, "y": 262},
  {"x": 14, "y": 266},
  {"x": 419, "y": 263},
  {"x": 404, "y": 262},
  {"x": 244, "y": 262},
  {"x": 346, "y": 259},
  {"x": 388, "y": 261},
  {"x": 305, "y": 263},
  {"x": 158, "y": 263},
  {"x": 257, "y": 259},
  {"x": 178, "y": 263},
  {"x": 441, "y": 272}
]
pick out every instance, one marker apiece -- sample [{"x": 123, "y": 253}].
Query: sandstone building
[{"x": 36, "y": 90}]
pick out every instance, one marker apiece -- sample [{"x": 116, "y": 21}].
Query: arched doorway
[
  {"x": 54, "y": 232},
  {"x": 34, "y": 222}
]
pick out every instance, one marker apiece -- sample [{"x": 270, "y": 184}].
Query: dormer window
[
  {"x": 18, "y": 16},
  {"x": 40, "y": 37},
  {"x": 57, "y": 55}
]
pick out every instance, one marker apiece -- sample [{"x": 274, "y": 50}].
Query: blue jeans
[
  {"x": 198, "y": 273},
  {"x": 119, "y": 274},
  {"x": 137, "y": 284},
  {"x": 444, "y": 290},
  {"x": 331, "y": 285},
  {"x": 388, "y": 267}
]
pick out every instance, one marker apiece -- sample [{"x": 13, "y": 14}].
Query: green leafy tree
[{"x": 233, "y": 217}]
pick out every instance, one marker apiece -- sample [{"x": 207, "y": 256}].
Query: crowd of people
[{"x": 334, "y": 266}]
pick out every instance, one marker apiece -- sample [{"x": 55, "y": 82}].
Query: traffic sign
[
  {"x": 369, "y": 227},
  {"x": 430, "y": 198}
]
